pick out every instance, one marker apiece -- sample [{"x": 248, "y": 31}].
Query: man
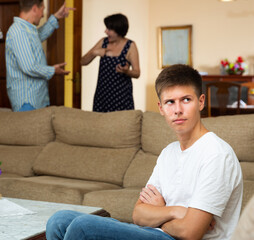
[
  {"x": 26, "y": 65},
  {"x": 195, "y": 190}
]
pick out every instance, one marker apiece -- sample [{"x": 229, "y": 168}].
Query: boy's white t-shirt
[{"x": 206, "y": 176}]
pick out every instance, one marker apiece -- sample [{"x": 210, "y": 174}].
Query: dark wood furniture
[
  {"x": 249, "y": 86},
  {"x": 222, "y": 97},
  {"x": 228, "y": 78}
]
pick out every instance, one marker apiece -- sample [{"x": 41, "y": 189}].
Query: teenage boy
[{"x": 195, "y": 190}]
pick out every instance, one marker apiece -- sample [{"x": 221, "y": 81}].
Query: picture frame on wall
[{"x": 175, "y": 45}]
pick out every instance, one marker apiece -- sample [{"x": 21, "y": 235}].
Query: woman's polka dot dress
[{"x": 114, "y": 90}]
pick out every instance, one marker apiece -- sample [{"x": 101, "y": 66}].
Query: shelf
[{"x": 228, "y": 78}]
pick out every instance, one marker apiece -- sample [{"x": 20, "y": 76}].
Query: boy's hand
[
  {"x": 151, "y": 195},
  {"x": 212, "y": 225}
]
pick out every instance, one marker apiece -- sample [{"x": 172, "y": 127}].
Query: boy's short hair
[
  {"x": 26, "y": 5},
  {"x": 117, "y": 22},
  {"x": 181, "y": 75}
]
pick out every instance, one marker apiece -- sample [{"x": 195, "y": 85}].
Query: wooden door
[
  {"x": 56, "y": 54},
  {"x": 8, "y": 9},
  {"x": 77, "y": 43}
]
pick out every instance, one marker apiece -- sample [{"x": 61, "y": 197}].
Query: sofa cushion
[
  {"x": 26, "y": 128},
  {"x": 51, "y": 189},
  {"x": 89, "y": 163},
  {"x": 10, "y": 175},
  {"x": 247, "y": 170},
  {"x": 119, "y": 129},
  {"x": 18, "y": 159},
  {"x": 248, "y": 187},
  {"x": 237, "y": 130},
  {"x": 156, "y": 134},
  {"x": 119, "y": 203},
  {"x": 245, "y": 227},
  {"x": 140, "y": 169}
]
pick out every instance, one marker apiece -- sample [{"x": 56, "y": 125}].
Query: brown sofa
[{"x": 68, "y": 155}]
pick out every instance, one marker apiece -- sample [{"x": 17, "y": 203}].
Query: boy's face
[{"x": 181, "y": 108}]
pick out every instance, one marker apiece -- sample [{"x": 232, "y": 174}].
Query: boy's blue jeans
[{"x": 71, "y": 225}]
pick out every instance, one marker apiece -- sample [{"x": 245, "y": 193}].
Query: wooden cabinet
[
  {"x": 228, "y": 78},
  {"x": 233, "y": 92}
]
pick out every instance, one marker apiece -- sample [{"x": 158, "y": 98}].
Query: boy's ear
[
  {"x": 160, "y": 108},
  {"x": 201, "y": 102}
]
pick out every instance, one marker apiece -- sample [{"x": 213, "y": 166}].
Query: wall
[
  {"x": 94, "y": 12},
  {"x": 220, "y": 30}
]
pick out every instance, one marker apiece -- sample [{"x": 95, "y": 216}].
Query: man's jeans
[
  {"x": 71, "y": 225},
  {"x": 26, "y": 107}
]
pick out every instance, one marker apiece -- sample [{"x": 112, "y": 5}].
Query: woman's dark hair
[
  {"x": 26, "y": 5},
  {"x": 118, "y": 23}
]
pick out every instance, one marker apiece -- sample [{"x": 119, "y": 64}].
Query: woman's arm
[
  {"x": 97, "y": 50},
  {"x": 133, "y": 58}
]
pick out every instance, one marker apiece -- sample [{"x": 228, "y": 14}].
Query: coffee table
[{"x": 33, "y": 226}]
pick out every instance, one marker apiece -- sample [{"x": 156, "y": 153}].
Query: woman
[{"x": 118, "y": 64}]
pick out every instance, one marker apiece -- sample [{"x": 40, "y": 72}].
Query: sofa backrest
[
  {"x": 156, "y": 135},
  {"x": 91, "y": 146},
  {"x": 22, "y": 137},
  {"x": 110, "y": 130},
  {"x": 33, "y": 128},
  {"x": 237, "y": 130}
]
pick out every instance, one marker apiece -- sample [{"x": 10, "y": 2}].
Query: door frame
[{"x": 56, "y": 54}]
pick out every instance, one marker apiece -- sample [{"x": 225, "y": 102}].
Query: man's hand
[
  {"x": 59, "y": 70},
  {"x": 63, "y": 11},
  {"x": 151, "y": 195}
]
